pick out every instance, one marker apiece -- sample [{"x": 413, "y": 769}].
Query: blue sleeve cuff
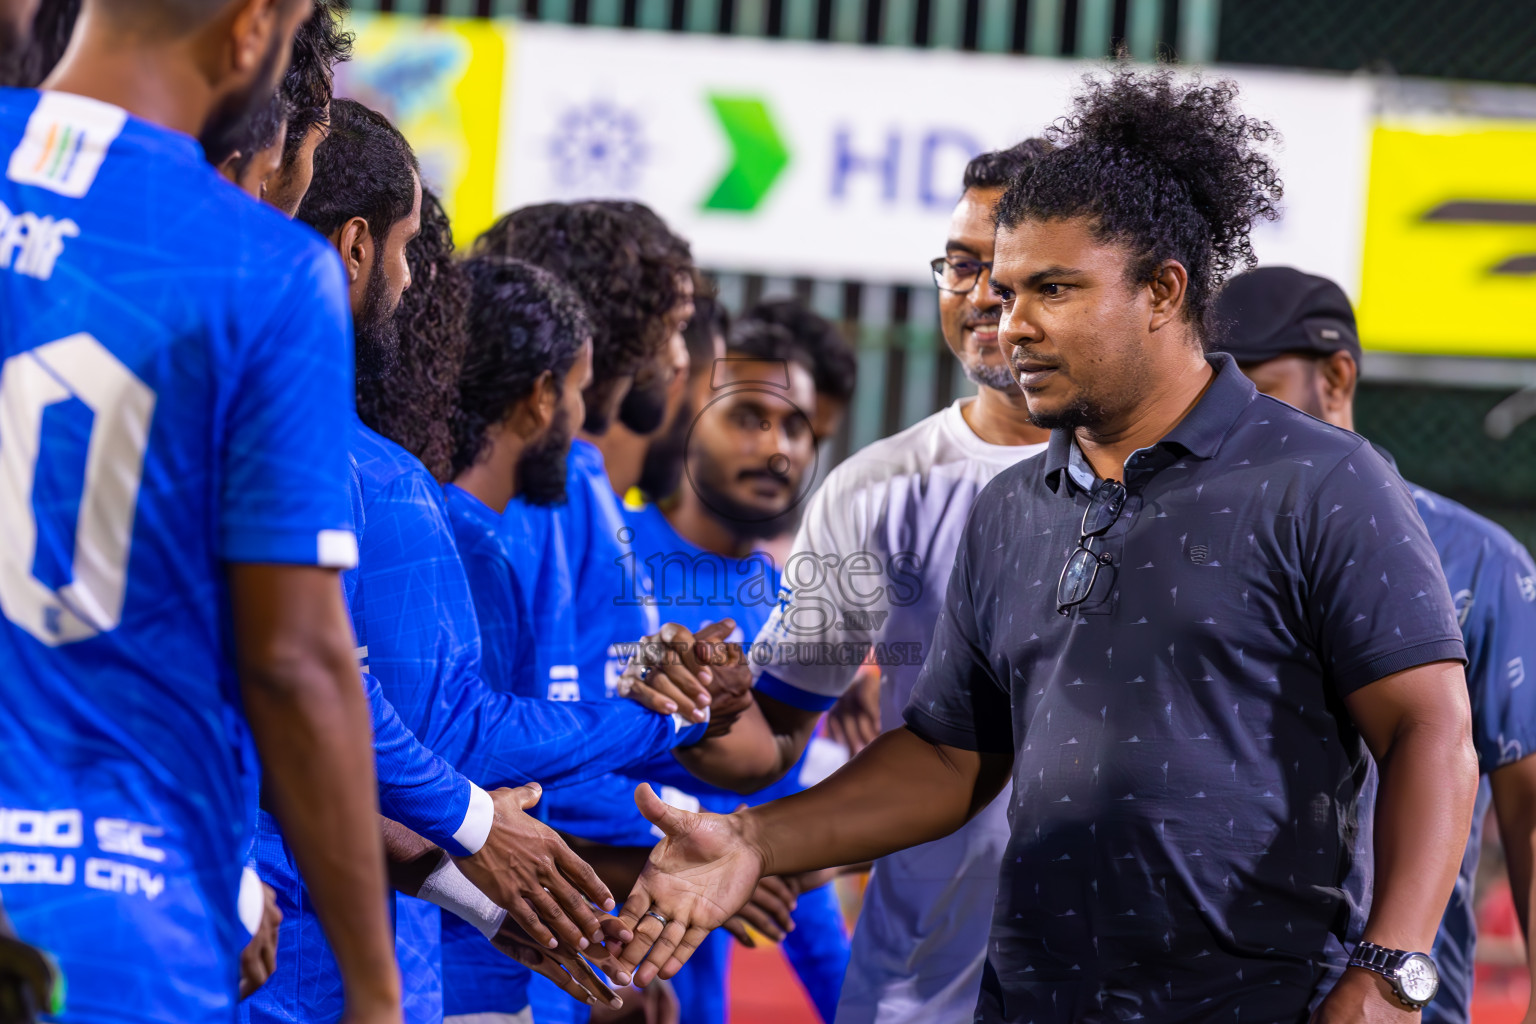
[
  {"x": 329, "y": 549},
  {"x": 772, "y": 686}
]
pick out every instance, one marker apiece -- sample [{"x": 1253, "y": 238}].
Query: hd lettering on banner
[{"x": 774, "y": 155}]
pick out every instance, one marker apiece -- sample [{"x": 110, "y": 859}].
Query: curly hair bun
[{"x": 1166, "y": 165}]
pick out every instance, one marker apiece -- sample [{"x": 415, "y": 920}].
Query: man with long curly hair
[
  {"x": 1183, "y": 631},
  {"x": 519, "y": 401},
  {"x": 636, "y": 280}
]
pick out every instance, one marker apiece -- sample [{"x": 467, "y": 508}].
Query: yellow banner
[
  {"x": 1450, "y": 241},
  {"x": 440, "y": 81}
]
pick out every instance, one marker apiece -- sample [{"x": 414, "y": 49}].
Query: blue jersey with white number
[
  {"x": 1493, "y": 583},
  {"x": 175, "y": 393}
]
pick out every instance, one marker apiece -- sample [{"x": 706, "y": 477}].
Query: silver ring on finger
[
  {"x": 652, "y": 913},
  {"x": 646, "y": 673}
]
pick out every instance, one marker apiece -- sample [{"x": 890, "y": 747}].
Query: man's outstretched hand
[
  {"x": 526, "y": 868},
  {"x": 697, "y": 878}
]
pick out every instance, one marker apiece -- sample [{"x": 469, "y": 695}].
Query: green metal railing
[{"x": 1083, "y": 28}]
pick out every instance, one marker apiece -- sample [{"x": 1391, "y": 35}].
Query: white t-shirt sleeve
[{"x": 833, "y": 594}]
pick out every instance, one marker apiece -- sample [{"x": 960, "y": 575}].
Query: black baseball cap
[{"x": 1269, "y": 312}]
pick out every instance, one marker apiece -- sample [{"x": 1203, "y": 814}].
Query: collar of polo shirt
[{"x": 1198, "y": 434}]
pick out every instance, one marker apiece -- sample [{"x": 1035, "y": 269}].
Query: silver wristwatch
[{"x": 1413, "y": 976}]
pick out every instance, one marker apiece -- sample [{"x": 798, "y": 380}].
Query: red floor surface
[{"x": 764, "y": 990}]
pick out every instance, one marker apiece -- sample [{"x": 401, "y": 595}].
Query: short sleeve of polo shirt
[
  {"x": 1501, "y": 639},
  {"x": 1376, "y": 594},
  {"x": 285, "y": 490},
  {"x": 958, "y": 700}
]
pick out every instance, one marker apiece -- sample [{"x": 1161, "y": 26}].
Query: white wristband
[
  {"x": 447, "y": 887},
  {"x": 252, "y": 901}
]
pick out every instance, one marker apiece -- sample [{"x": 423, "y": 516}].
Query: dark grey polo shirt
[{"x": 1187, "y": 781}]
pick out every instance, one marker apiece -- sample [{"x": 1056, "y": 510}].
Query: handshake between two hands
[
  {"x": 675, "y": 671},
  {"x": 702, "y": 876},
  {"x": 553, "y": 898}
]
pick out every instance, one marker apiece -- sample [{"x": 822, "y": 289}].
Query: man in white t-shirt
[{"x": 871, "y": 564}]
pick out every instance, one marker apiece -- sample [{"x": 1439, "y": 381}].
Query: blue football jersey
[
  {"x": 175, "y": 395},
  {"x": 506, "y": 558},
  {"x": 1493, "y": 583},
  {"x": 419, "y": 635},
  {"x": 507, "y": 650},
  {"x": 612, "y": 594}
]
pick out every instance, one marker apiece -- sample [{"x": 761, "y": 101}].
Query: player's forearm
[
  {"x": 1514, "y": 801},
  {"x": 511, "y": 741},
  {"x": 410, "y": 858},
  {"x": 310, "y": 723},
  {"x": 755, "y": 753},
  {"x": 900, "y": 791},
  {"x": 1423, "y": 813}
]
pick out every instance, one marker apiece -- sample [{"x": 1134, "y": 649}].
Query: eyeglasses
[
  {"x": 958, "y": 275},
  {"x": 1082, "y": 568}
]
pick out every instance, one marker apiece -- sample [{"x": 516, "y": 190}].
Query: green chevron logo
[{"x": 758, "y": 152}]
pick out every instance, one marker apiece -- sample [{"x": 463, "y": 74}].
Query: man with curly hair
[
  {"x": 1183, "y": 632},
  {"x": 518, "y": 403},
  {"x": 636, "y": 280},
  {"x": 306, "y": 95}
]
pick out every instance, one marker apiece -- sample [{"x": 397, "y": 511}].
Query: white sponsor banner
[{"x": 842, "y": 161}]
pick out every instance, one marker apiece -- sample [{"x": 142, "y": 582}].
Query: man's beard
[
  {"x": 645, "y": 409},
  {"x": 994, "y": 376},
  {"x": 746, "y": 522},
  {"x": 377, "y": 334},
  {"x": 228, "y": 126},
  {"x": 662, "y": 472},
  {"x": 541, "y": 466},
  {"x": 1082, "y": 411}
]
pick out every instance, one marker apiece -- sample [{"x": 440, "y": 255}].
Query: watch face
[{"x": 1418, "y": 978}]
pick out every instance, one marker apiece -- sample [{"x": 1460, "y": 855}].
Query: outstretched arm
[{"x": 900, "y": 791}]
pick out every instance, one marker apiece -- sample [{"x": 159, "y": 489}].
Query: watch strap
[{"x": 1385, "y": 962}]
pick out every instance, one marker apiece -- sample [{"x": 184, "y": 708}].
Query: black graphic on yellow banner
[{"x": 1450, "y": 241}]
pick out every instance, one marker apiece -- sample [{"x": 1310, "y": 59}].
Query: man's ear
[
  {"x": 533, "y": 414},
  {"x": 355, "y": 243},
  {"x": 1169, "y": 288},
  {"x": 251, "y": 31},
  {"x": 546, "y": 392},
  {"x": 1339, "y": 375},
  {"x": 227, "y": 169}
]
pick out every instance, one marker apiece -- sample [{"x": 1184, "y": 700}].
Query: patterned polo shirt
[{"x": 1186, "y": 827}]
